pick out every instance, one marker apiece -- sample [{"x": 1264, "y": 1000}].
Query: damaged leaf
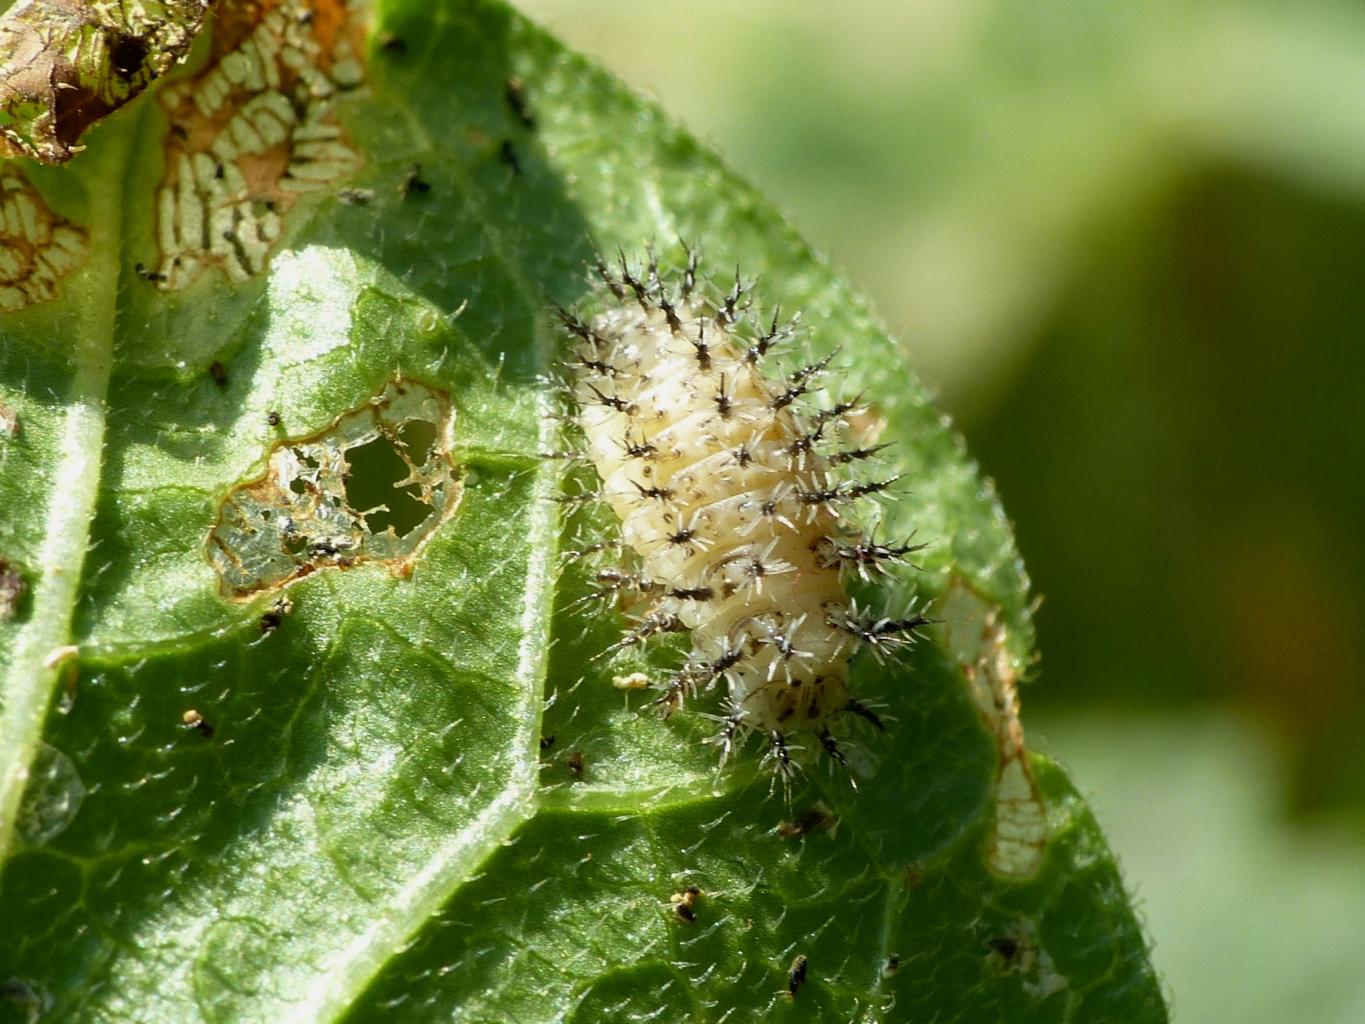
[
  {"x": 976, "y": 636},
  {"x": 306, "y": 512},
  {"x": 37, "y": 249},
  {"x": 251, "y": 133},
  {"x": 308, "y": 713},
  {"x": 65, "y": 66}
]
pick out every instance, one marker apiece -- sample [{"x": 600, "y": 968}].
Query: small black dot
[{"x": 507, "y": 153}]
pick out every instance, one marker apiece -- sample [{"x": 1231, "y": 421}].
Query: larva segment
[{"x": 730, "y": 504}]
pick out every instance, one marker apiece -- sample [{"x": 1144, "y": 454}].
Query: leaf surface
[{"x": 331, "y": 791}]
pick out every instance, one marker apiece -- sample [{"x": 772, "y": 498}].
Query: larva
[{"x": 733, "y": 513}]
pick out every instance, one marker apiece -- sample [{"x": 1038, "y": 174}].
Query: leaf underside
[{"x": 409, "y": 791}]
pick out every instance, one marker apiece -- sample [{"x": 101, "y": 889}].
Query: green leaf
[{"x": 221, "y": 805}]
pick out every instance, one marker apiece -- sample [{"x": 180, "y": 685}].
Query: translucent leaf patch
[
  {"x": 977, "y": 638},
  {"x": 37, "y": 248},
  {"x": 374, "y": 486},
  {"x": 251, "y": 133}
]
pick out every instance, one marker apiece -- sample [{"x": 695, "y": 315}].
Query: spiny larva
[{"x": 734, "y": 513}]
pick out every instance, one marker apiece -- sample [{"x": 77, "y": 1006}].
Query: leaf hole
[
  {"x": 418, "y": 437},
  {"x": 371, "y": 487},
  {"x": 379, "y": 487}
]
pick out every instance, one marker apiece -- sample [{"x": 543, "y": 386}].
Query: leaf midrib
[
  {"x": 336, "y": 990},
  {"x": 75, "y": 481}
]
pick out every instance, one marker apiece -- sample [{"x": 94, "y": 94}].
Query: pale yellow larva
[{"x": 730, "y": 507}]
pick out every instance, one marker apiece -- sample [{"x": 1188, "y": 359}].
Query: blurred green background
[{"x": 1126, "y": 241}]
